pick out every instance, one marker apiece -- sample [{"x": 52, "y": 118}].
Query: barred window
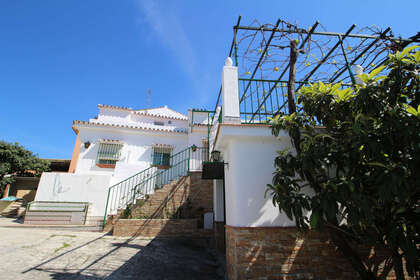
[
  {"x": 205, "y": 149},
  {"x": 161, "y": 156},
  {"x": 109, "y": 153}
]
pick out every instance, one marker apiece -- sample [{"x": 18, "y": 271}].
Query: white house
[{"x": 121, "y": 142}]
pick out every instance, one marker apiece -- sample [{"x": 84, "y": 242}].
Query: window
[
  {"x": 161, "y": 156},
  {"x": 158, "y": 123},
  {"x": 205, "y": 150},
  {"x": 108, "y": 154},
  {"x": 169, "y": 122}
]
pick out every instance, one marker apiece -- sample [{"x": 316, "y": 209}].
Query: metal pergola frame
[{"x": 383, "y": 36}]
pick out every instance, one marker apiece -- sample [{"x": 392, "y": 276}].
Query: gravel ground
[{"x": 27, "y": 253}]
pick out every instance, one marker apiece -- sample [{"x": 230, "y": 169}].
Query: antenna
[{"x": 149, "y": 93}]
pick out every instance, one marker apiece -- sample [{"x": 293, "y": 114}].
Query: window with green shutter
[{"x": 109, "y": 153}]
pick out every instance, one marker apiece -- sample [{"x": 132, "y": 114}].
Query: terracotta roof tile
[
  {"x": 143, "y": 113},
  {"x": 114, "y": 107},
  {"x": 163, "y": 146},
  {"x": 111, "y": 141},
  {"x": 77, "y": 122}
]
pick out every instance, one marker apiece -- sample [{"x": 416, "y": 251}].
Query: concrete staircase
[
  {"x": 188, "y": 197},
  {"x": 185, "y": 198}
]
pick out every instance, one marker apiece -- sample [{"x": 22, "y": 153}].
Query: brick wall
[
  {"x": 155, "y": 227},
  {"x": 284, "y": 253}
]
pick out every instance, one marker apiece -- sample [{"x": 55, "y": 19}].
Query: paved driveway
[{"x": 50, "y": 254}]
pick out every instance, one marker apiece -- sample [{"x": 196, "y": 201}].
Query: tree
[
  {"x": 16, "y": 160},
  {"x": 358, "y": 149}
]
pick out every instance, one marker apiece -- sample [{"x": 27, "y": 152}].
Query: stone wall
[
  {"x": 284, "y": 253},
  {"x": 155, "y": 227}
]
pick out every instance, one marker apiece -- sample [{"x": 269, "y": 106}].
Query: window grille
[
  {"x": 109, "y": 153},
  {"x": 161, "y": 156},
  {"x": 205, "y": 150}
]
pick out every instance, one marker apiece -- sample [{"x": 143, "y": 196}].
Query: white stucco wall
[
  {"x": 70, "y": 187},
  {"x": 250, "y": 152},
  {"x": 138, "y": 118},
  {"x": 197, "y": 117},
  {"x": 112, "y": 116},
  {"x": 136, "y": 153},
  {"x": 218, "y": 201},
  {"x": 197, "y": 135}
]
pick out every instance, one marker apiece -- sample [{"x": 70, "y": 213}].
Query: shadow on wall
[{"x": 146, "y": 155}]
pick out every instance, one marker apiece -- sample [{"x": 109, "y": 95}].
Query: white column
[{"x": 230, "y": 93}]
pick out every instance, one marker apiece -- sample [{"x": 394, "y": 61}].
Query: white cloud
[
  {"x": 169, "y": 30},
  {"x": 167, "y": 27}
]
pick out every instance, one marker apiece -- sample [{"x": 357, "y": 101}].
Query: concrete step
[{"x": 59, "y": 227}]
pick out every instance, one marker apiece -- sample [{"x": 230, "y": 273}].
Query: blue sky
[{"x": 59, "y": 59}]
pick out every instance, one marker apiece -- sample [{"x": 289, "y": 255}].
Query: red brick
[{"x": 285, "y": 253}]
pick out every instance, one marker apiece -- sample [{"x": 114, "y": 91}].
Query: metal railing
[
  {"x": 258, "y": 100},
  {"x": 126, "y": 192},
  {"x": 263, "y": 99},
  {"x": 217, "y": 119}
]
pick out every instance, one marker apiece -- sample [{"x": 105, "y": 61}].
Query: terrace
[{"x": 275, "y": 60}]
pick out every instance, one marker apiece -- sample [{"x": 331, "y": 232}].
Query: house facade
[
  {"x": 261, "y": 242},
  {"x": 119, "y": 143}
]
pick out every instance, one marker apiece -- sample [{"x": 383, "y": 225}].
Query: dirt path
[{"x": 51, "y": 254}]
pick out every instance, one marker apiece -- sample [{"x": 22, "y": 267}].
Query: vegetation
[
  {"x": 358, "y": 149},
  {"x": 16, "y": 160}
]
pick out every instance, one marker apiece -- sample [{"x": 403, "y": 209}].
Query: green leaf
[
  {"x": 351, "y": 187},
  {"x": 380, "y": 78},
  {"x": 407, "y": 50},
  {"x": 364, "y": 77},
  {"x": 336, "y": 86},
  {"x": 344, "y": 94},
  {"x": 376, "y": 71},
  {"x": 314, "y": 219},
  {"x": 417, "y": 56},
  {"x": 411, "y": 110}
]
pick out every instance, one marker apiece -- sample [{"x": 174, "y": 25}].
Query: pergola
[{"x": 275, "y": 60}]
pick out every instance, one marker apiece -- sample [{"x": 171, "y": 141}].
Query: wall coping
[
  {"x": 261, "y": 228},
  {"x": 125, "y": 220}
]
